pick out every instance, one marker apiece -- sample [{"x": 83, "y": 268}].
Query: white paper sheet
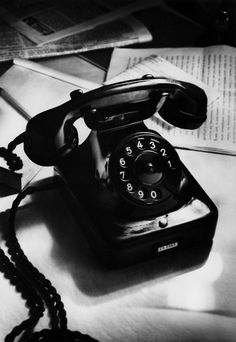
[{"x": 215, "y": 66}]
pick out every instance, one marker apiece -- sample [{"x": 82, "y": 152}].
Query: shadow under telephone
[{"x": 141, "y": 200}]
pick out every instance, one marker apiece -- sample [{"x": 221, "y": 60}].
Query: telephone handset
[
  {"x": 51, "y": 134},
  {"x": 141, "y": 199}
]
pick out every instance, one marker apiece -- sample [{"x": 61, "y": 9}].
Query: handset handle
[
  {"x": 51, "y": 134},
  {"x": 180, "y": 103}
]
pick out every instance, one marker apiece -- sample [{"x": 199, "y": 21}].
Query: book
[{"x": 215, "y": 66}]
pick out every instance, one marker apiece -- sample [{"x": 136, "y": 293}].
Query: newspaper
[
  {"x": 215, "y": 66},
  {"x": 47, "y": 21},
  {"x": 118, "y": 33}
]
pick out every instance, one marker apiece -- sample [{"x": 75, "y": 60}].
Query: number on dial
[
  {"x": 153, "y": 194},
  {"x": 140, "y": 145},
  {"x": 122, "y": 162},
  {"x": 128, "y": 150},
  {"x": 163, "y": 152},
  {"x": 123, "y": 175},
  {"x": 140, "y": 194},
  {"x": 153, "y": 145},
  {"x": 129, "y": 187}
]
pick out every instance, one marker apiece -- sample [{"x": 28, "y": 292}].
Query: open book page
[
  {"x": 47, "y": 21},
  {"x": 117, "y": 33},
  {"x": 216, "y": 67}
]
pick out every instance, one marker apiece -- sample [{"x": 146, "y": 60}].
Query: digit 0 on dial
[{"x": 144, "y": 168}]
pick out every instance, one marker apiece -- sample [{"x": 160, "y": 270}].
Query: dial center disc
[{"x": 148, "y": 167}]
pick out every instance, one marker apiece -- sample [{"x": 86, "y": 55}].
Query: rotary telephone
[{"x": 140, "y": 199}]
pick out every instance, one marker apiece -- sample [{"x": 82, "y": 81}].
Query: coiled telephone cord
[
  {"x": 34, "y": 287},
  {"x": 14, "y": 162},
  {"x": 33, "y": 301}
]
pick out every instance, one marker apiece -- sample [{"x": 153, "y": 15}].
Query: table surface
[{"x": 139, "y": 303}]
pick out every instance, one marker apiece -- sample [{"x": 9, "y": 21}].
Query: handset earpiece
[{"x": 185, "y": 108}]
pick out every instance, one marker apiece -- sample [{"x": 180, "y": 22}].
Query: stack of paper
[{"x": 211, "y": 68}]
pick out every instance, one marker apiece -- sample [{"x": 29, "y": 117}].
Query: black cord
[
  {"x": 35, "y": 287},
  {"x": 43, "y": 285},
  {"x": 14, "y": 162},
  {"x": 33, "y": 301},
  {"x": 56, "y": 335}
]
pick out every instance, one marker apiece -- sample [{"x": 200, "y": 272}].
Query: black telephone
[{"x": 140, "y": 198}]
